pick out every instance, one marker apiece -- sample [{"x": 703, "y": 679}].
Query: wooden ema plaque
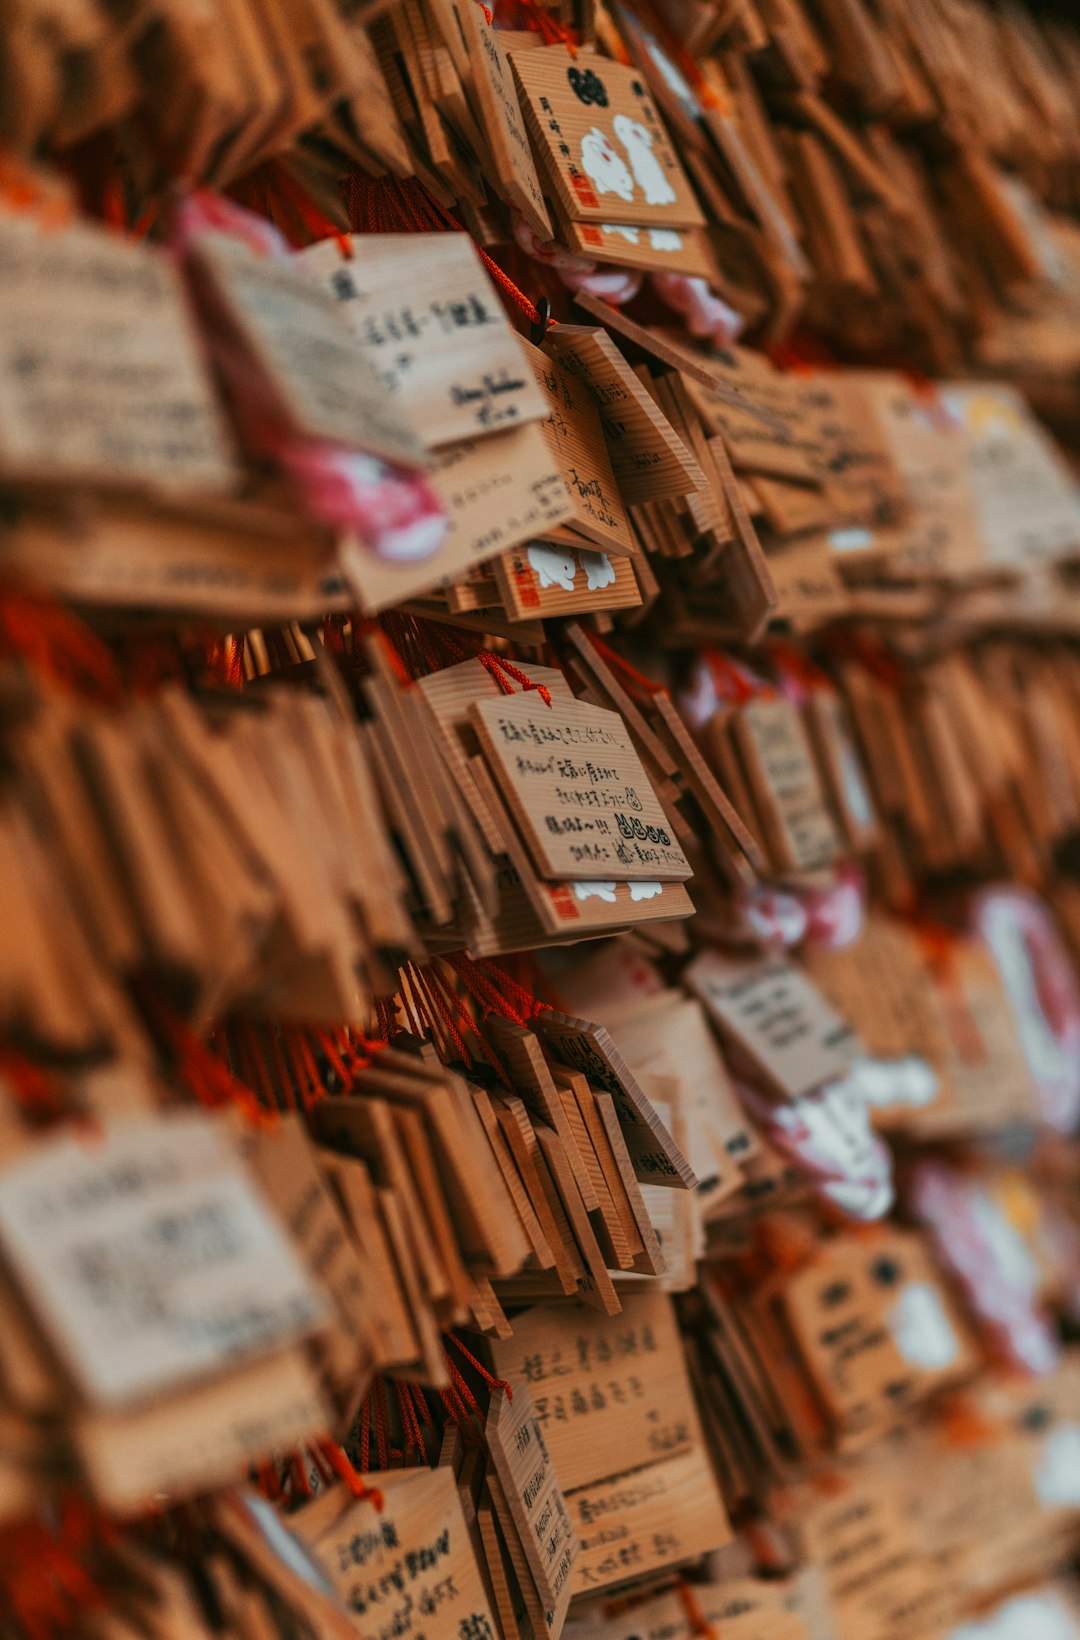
[
  {"x": 576, "y": 786},
  {"x": 101, "y": 379},
  {"x": 779, "y": 763},
  {"x": 408, "y": 1566},
  {"x": 426, "y": 316},
  {"x": 776, "y": 1019},
  {"x": 614, "y": 1402},
  {"x": 604, "y": 146},
  {"x": 578, "y": 445}
]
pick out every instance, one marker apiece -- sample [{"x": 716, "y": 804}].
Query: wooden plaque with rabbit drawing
[{"x": 603, "y": 146}]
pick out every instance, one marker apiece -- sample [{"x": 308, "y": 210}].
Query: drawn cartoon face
[
  {"x": 922, "y": 1330},
  {"x": 604, "y": 167},
  {"x": 649, "y": 172},
  {"x": 599, "y": 570},
  {"x": 552, "y": 567},
  {"x": 827, "y": 1135}
]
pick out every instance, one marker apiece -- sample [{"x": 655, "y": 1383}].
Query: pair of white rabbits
[{"x": 608, "y": 171}]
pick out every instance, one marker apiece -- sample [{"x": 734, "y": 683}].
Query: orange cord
[
  {"x": 692, "y": 1607},
  {"x": 345, "y": 1472},
  {"x": 540, "y": 21}
]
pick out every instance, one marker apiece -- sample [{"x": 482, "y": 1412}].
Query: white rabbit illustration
[
  {"x": 554, "y": 568},
  {"x": 637, "y": 140},
  {"x": 599, "y": 570},
  {"x": 645, "y": 891},
  {"x": 604, "y": 166},
  {"x": 595, "y": 891}
]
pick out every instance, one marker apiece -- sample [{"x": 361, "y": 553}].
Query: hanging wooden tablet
[
  {"x": 532, "y": 1489},
  {"x": 137, "y": 409},
  {"x": 185, "y": 1160},
  {"x": 615, "y": 1407},
  {"x": 576, "y": 441},
  {"x": 543, "y": 579},
  {"x": 370, "y": 111},
  {"x": 576, "y": 785},
  {"x": 489, "y": 78},
  {"x": 775, "y": 1020},
  {"x": 426, "y": 315},
  {"x": 582, "y": 1046},
  {"x": 631, "y": 245},
  {"x": 1027, "y": 504},
  {"x": 604, "y": 147},
  {"x": 414, "y": 1552},
  {"x": 284, "y": 1163},
  {"x": 785, "y": 785},
  {"x": 498, "y": 491},
  {"x": 941, "y": 533},
  {"x": 201, "y": 1438},
  {"x": 790, "y": 451},
  {"x": 294, "y": 333},
  {"x": 648, "y": 458},
  {"x": 877, "y": 1329},
  {"x": 845, "y": 778},
  {"x": 677, "y": 354}
]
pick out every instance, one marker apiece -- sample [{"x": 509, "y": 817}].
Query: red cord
[
  {"x": 492, "y": 1383},
  {"x": 481, "y": 986},
  {"x": 365, "y": 1433},
  {"x": 525, "y": 999},
  {"x": 629, "y": 674},
  {"x": 501, "y": 669}
]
